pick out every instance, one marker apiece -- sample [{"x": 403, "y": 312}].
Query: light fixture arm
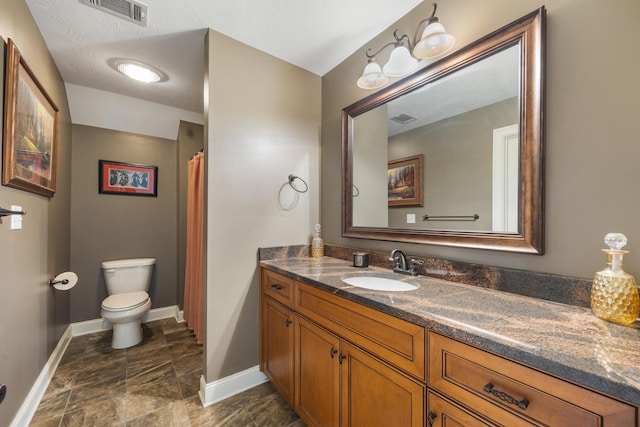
[
  {"x": 416, "y": 35},
  {"x": 397, "y": 43},
  {"x": 369, "y": 55}
]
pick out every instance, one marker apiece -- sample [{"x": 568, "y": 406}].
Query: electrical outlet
[{"x": 16, "y": 220}]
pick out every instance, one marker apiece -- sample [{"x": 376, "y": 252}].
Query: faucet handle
[{"x": 414, "y": 266}]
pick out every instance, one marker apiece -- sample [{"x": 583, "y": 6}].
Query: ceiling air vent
[
  {"x": 131, "y": 11},
  {"x": 403, "y": 118}
]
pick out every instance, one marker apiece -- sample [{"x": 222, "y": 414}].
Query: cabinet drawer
[
  {"x": 277, "y": 287},
  {"x": 397, "y": 341},
  {"x": 515, "y": 395},
  {"x": 441, "y": 412}
]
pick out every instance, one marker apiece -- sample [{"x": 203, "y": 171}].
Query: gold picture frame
[
  {"x": 405, "y": 182},
  {"x": 30, "y": 129}
]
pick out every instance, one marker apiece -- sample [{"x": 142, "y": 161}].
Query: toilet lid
[{"x": 119, "y": 302}]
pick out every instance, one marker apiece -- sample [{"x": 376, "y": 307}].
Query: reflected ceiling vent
[
  {"x": 131, "y": 11},
  {"x": 403, "y": 118}
]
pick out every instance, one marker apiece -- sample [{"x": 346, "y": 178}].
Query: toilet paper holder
[
  {"x": 53, "y": 281},
  {"x": 64, "y": 281}
]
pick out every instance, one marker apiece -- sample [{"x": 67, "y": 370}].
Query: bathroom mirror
[{"x": 453, "y": 154}]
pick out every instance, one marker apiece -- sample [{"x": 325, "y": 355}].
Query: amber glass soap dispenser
[{"x": 614, "y": 295}]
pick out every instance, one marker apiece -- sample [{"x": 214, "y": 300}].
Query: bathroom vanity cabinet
[
  {"x": 276, "y": 331},
  {"x": 355, "y": 365},
  {"x": 342, "y": 363}
]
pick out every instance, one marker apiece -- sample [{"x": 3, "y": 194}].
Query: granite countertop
[{"x": 563, "y": 340}]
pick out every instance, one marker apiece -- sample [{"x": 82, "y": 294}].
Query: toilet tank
[{"x": 128, "y": 275}]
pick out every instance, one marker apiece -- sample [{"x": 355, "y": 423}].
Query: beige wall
[
  {"x": 32, "y": 315},
  {"x": 591, "y": 129},
  {"x": 106, "y": 226},
  {"x": 262, "y": 122},
  {"x": 458, "y": 161},
  {"x": 370, "y": 169}
]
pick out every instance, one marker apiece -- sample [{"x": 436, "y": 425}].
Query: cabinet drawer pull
[
  {"x": 522, "y": 404},
  {"x": 277, "y": 287},
  {"x": 431, "y": 418},
  {"x": 333, "y": 352}
]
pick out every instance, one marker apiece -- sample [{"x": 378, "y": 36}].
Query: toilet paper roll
[{"x": 65, "y": 281}]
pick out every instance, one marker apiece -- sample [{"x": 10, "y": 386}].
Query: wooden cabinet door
[
  {"x": 374, "y": 394},
  {"x": 317, "y": 381},
  {"x": 278, "y": 348}
]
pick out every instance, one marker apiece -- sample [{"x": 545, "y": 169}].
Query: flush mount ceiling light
[
  {"x": 139, "y": 71},
  {"x": 434, "y": 41}
]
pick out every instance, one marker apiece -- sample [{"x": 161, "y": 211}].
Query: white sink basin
[{"x": 381, "y": 283}]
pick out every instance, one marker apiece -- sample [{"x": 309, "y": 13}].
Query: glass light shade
[
  {"x": 372, "y": 77},
  {"x": 139, "y": 72},
  {"x": 400, "y": 63},
  {"x": 434, "y": 42}
]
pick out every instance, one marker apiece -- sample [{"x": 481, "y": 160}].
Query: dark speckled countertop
[{"x": 564, "y": 340}]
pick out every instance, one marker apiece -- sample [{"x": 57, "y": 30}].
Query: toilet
[{"x": 127, "y": 281}]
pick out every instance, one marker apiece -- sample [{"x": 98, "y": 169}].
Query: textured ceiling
[{"x": 315, "y": 35}]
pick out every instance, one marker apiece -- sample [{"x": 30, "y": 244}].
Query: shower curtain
[{"x": 193, "y": 275}]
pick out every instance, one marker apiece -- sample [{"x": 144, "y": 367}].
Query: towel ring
[
  {"x": 294, "y": 202},
  {"x": 292, "y": 178}
]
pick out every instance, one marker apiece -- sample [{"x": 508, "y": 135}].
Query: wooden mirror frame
[{"x": 529, "y": 32}]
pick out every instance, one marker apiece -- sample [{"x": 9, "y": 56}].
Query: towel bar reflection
[
  {"x": 7, "y": 212},
  {"x": 473, "y": 217}
]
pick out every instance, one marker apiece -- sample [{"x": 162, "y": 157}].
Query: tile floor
[{"x": 155, "y": 383}]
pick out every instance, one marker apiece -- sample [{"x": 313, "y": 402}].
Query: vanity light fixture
[
  {"x": 139, "y": 71},
  {"x": 434, "y": 41}
]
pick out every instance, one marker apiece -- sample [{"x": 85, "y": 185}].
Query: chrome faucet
[
  {"x": 401, "y": 266},
  {"x": 400, "y": 260}
]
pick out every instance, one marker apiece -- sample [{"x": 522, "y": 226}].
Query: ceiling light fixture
[
  {"x": 434, "y": 41},
  {"x": 139, "y": 71}
]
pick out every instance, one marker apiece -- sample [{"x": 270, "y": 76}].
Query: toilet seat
[{"x": 123, "y": 302}]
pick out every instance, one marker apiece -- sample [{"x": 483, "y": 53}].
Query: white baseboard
[
  {"x": 97, "y": 325},
  {"x": 230, "y": 386},
  {"x": 179, "y": 315},
  {"x": 30, "y": 404}
]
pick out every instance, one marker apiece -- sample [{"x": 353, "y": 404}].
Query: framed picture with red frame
[{"x": 127, "y": 179}]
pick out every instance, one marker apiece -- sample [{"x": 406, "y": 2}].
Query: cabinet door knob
[
  {"x": 522, "y": 404},
  {"x": 333, "y": 352},
  {"x": 287, "y": 322},
  {"x": 341, "y": 358}
]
